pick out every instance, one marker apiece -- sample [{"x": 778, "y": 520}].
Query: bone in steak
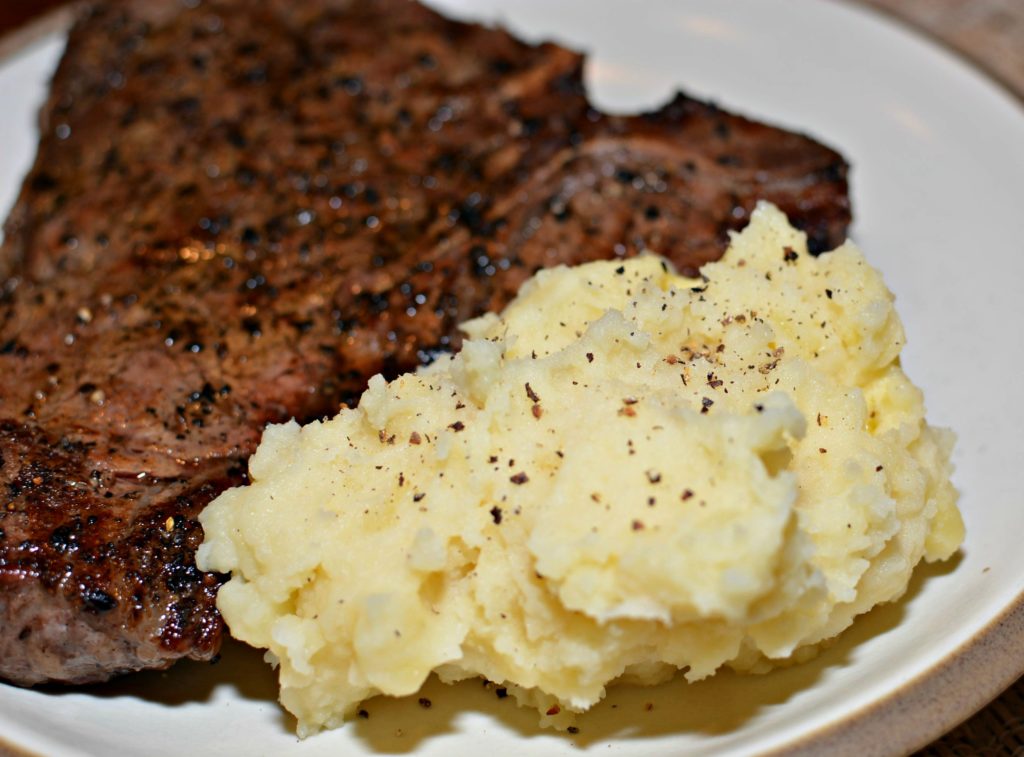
[{"x": 238, "y": 213}]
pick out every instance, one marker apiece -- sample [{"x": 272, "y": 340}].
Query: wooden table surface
[{"x": 990, "y": 34}]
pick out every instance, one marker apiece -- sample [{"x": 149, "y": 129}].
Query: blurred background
[{"x": 988, "y": 32}]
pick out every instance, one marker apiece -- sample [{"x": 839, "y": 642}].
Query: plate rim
[
  {"x": 918, "y": 712},
  {"x": 934, "y": 41},
  {"x": 17, "y": 40}
]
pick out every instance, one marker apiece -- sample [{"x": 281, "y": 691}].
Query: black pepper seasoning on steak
[{"x": 240, "y": 211}]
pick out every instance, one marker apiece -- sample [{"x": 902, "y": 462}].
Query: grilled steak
[{"x": 238, "y": 213}]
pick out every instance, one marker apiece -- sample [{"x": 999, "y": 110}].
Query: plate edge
[
  {"x": 52, "y": 22},
  {"x": 887, "y": 16},
  {"x": 922, "y": 710},
  {"x": 7, "y": 749}
]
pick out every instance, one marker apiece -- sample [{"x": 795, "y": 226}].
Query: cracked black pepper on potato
[{"x": 552, "y": 555}]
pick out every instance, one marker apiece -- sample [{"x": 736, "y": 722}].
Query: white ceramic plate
[{"x": 938, "y": 184}]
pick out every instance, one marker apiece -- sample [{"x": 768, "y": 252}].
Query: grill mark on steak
[{"x": 238, "y": 213}]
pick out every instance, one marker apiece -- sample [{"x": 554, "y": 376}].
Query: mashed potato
[{"x": 626, "y": 473}]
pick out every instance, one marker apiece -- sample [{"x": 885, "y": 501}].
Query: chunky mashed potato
[{"x": 626, "y": 473}]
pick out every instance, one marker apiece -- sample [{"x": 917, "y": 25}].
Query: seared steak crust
[{"x": 238, "y": 213}]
